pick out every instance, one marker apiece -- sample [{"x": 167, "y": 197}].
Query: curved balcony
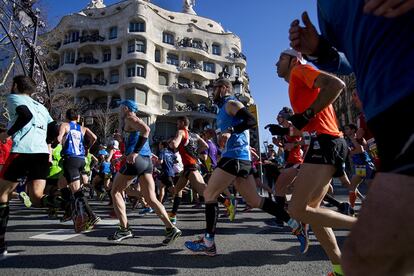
[
  {"x": 88, "y": 82},
  {"x": 189, "y": 90},
  {"x": 86, "y": 39},
  {"x": 188, "y": 69},
  {"x": 87, "y": 60},
  {"x": 238, "y": 58},
  {"x": 199, "y": 111}
]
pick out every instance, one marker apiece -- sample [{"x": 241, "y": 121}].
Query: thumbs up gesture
[{"x": 304, "y": 39}]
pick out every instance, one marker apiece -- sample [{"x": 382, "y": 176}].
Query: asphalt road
[{"x": 247, "y": 246}]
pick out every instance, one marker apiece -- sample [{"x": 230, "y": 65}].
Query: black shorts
[
  {"x": 236, "y": 167},
  {"x": 188, "y": 169},
  {"x": 395, "y": 143},
  {"x": 34, "y": 166},
  {"x": 167, "y": 180},
  {"x": 72, "y": 166},
  {"x": 328, "y": 150},
  {"x": 143, "y": 165}
]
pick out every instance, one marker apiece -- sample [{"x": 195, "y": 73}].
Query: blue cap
[
  {"x": 103, "y": 152},
  {"x": 132, "y": 105}
]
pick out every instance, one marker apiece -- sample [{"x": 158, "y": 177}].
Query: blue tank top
[
  {"x": 74, "y": 142},
  {"x": 238, "y": 145},
  {"x": 105, "y": 167},
  {"x": 130, "y": 142}
]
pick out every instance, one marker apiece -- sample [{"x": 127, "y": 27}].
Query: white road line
[{"x": 65, "y": 234}]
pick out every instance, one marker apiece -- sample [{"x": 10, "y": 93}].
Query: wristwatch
[{"x": 230, "y": 130}]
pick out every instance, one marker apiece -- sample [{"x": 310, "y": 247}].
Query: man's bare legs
[
  {"x": 307, "y": 184},
  {"x": 382, "y": 244}
]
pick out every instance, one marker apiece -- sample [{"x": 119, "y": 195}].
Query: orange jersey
[{"x": 302, "y": 94}]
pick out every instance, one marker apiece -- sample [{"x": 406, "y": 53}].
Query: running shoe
[
  {"x": 303, "y": 238},
  {"x": 199, "y": 247},
  {"x": 346, "y": 209},
  {"x": 3, "y": 251},
  {"x": 121, "y": 234},
  {"x": 26, "y": 199},
  {"x": 146, "y": 210},
  {"x": 275, "y": 223},
  {"x": 247, "y": 209},
  {"x": 101, "y": 196},
  {"x": 197, "y": 205},
  {"x": 231, "y": 209},
  {"x": 172, "y": 218},
  {"x": 92, "y": 222},
  {"x": 52, "y": 213},
  {"x": 80, "y": 218},
  {"x": 171, "y": 235},
  {"x": 334, "y": 274}
]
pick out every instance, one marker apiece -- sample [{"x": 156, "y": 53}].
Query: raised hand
[{"x": 304, "y": 39}]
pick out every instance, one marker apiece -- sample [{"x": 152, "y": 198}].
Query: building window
[
  {"x": 113, "y": 32},
  {"x": 106, "y": 55},
  {"x": 130, "y": 94},
  {"x": 138, "y": 26},
  {"x": 140, "y": 70},
  {"x": 168, "y": 38},
  {"x": 72, "y": 36},
  {"x": 167, "y": 102},
  {"x": 69, "y": 57},
  {"x": 118, "y": 53},
  {"x": 114, "y": 77},
  {"x": 131, "y": 46},
  {"x": 172, "y": 59},
  {"x": 162, "y": 78},
  {"x": 157, "y": 55},
  {"x": 197, "y": 44},
  {"x": 209, "y": 67},
  {"x": 238, "y": 71},
  {"x": 141, "y": 96},
  {"x": 183, "y": 81},
  {"x": 216, "y": 49},
  {"x": 136, "y": 45},
  {"x": 135, "y": 70},
  {"x": 140, "y": 46},
  {"x": 131, "y": 70}
]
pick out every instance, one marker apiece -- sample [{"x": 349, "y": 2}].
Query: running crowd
[{"x": 50, "y": 165}]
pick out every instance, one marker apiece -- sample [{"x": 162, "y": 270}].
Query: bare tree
[{"x": 104, "y": 123}]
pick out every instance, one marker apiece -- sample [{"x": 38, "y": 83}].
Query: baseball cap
[
  {"x": 102, "y": 152},
  {"x": 132, "y": 105},
  {"x": 296, "y": 54},
  {"x": 285, "y": 113},
  {"x": 115, "y": 144}
]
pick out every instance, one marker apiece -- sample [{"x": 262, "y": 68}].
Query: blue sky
[{"x": 263, "y": 29}]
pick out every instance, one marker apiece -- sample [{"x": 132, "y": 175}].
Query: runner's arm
[
  {"x": 202, "y": 145},
  {"x": 177, "y": 139},
  {"x": 239, "y": 111},
  {"x": 91, "y": 135},
  {"x": 330, "y": 88},
  {"x": 23, "y": 117}
]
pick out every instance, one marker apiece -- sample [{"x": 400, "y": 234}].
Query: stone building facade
[{"x": 163, "y": 60}]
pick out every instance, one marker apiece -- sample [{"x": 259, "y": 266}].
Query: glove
[
  {"x": 277, "y": 130},
  {"x": 300, "y": 120}
]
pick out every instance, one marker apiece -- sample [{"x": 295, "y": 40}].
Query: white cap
[
  {"x": 115, "y": 144},
  {"x": 296, "y": 54}
]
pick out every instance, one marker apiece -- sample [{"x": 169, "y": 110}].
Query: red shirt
[
  {"x": 187, "y": 149},
  {"x": 295, "y": 154},
  {"x": 5, "y": 151}
]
